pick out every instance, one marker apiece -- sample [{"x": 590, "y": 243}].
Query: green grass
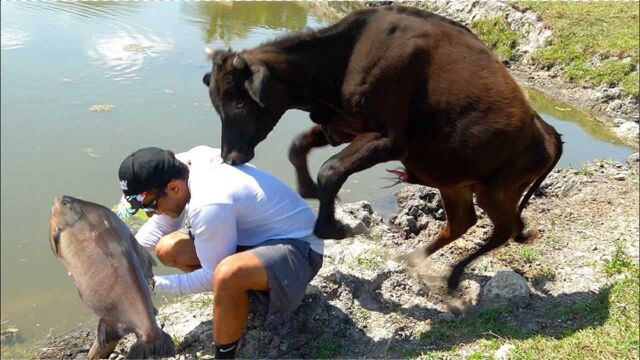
[
  {"x": 328, "y": 348},
  {"x": 527, "y": 253},
  {"x": 620, "y": 262},
  {"x": 367, "y": 261},
  {"x": 602, "y": 326},
  {"x": 496, "y": 33},
  {"x": 585, "y": 31},
  {"x": 616, "y": 338},
  {"x": 361, "y": 316}
]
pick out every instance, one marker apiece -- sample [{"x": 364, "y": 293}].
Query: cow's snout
[{"x": 236, "y": 158}]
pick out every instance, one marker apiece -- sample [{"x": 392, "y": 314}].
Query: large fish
[{"x": 111, "y": 273}]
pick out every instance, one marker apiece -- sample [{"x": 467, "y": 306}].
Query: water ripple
[
  {"x": 14, "y": 38},
  {"x": 124, "y": 54}
]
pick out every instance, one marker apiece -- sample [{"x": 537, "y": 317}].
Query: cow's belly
[{"x": 438, "y": 173}]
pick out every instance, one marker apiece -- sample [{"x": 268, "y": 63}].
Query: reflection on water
[
  {"x": 584, "y": 138},
  {"x": 548, "y": 106},
  {"x": 86, "y": 9},
  {"x": 213, "y": 17},
  {"x": 123, "y": 53},
  {"x": 14, "y": 38}
]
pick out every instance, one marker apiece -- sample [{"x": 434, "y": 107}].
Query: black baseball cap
[{"x": 146, "y": 169}]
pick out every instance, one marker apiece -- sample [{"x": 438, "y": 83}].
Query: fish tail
[{"x": 162, "y": 347}]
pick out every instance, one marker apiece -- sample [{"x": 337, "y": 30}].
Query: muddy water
[{"x": 142, "y": 64}]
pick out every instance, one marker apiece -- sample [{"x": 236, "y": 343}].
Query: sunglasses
[{"x": 136, "y": 203}]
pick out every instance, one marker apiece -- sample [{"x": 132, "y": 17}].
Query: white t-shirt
[{"x": 229, "y": 206}]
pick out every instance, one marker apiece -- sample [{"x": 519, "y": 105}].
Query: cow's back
[{"x": 412, "y": 72}]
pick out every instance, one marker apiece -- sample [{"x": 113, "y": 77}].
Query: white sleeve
[
  {"x": 155, "y": 228},
  {"x": 215, "y": 237}
]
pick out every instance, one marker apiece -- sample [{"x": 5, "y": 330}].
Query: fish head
[{"x": 66, "y": 212}]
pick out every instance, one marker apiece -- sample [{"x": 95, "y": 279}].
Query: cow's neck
[{"x": 312, "y": 66}]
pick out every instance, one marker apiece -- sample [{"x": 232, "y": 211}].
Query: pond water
[{"x": 142, "y": 62}]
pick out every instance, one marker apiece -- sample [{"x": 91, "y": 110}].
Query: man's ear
[
  {"x": 206, "y": 79},
  {"x": 257, "y": 84}
]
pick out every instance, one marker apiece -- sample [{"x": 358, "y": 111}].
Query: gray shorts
[{"x": 290, "y": 265}]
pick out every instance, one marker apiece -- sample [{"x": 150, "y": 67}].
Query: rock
[
  {"x": 619, "y": 121},
  {"x": 628, "y": 129},
  {"x": 354, "y": 217},
  {"x": 446, "y": 316},
  {"x": 633, "y": 158},
  {"x": 10, "y": 336},
  {"x": 505, "y": 287},
  {"x": 470, "y": 291},
  {"x": 619, "y": 177},
  {"x": 503, "y": 352}
]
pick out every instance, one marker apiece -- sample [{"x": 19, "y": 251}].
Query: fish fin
[
  {"x": 55, "y": 240},
  {"x": 146, "y": 260},
  {"x": 162, "y": 347},
  {"x": 108, "y": 333},
  {"x": 98, "y": 352}
]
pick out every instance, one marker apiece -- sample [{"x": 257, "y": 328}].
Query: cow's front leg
[
  {"x": 364, "y": 151},
  {"x": 298, "y": 154}
]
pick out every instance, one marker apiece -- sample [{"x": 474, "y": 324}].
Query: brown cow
[{"x": 396, "y": 83}]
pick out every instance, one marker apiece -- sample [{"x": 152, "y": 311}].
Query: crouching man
[{"x": 232, "y": 229}]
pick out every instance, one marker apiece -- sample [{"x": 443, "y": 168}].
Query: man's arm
[
  {"x": 155, "y": 228},
  {"x": 215, "y": 237}
]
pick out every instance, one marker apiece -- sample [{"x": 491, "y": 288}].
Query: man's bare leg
[{"x": 233, "y": 278}]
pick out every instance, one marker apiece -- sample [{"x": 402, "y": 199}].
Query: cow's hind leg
[
  {"x": 501, "y": 206},
  {"x": 363, "y": 152},
  {"x": 461, "y": 215},
  {"x": 298, "y": 152}
]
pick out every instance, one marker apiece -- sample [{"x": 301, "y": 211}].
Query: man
[{"x": 246, "y": 231}]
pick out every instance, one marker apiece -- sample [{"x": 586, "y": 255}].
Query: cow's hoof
[
  {"x": 454, "y": 280},
  {"x": 526, "y": 237},
  {"x": 414, "y": 258},
  {"x": 335, "y": 231}
]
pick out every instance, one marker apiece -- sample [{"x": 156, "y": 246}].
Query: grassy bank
[
  {"x": 593, "y": 42},
  {"x": 496, "y": 33},
  {"x": 605, "y": 327}
]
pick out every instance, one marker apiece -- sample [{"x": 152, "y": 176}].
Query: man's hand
[{"x": 159, "y": 284}]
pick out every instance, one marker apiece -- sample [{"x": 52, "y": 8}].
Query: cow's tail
[{"x": 558, "y": 152}]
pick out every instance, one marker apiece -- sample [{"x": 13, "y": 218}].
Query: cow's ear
[
  {"x": 257, "y": 84},
  {"x": 206, "y": 79}
]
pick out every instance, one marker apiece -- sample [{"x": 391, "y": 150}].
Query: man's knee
[
  {"x": 226, "y": 276},
  {"x": 167, "y": 249},
  {"x": 239, "y": 273}
]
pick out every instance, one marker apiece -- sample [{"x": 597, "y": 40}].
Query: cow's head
[{"x": 248, "y": 100}]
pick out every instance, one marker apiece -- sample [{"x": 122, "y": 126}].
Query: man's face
[{"x": 169, "y": 201}]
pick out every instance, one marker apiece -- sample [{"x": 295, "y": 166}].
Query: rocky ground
[{"x": 364, "y": 304}]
